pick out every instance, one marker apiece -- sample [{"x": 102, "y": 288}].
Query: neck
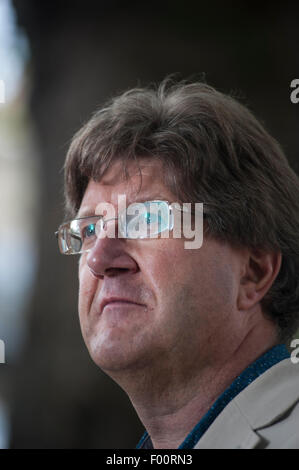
[{"x": 170, "y": 400}]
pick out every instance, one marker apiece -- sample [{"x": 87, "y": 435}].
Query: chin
[
  {"x": 116, "y": 348},
  {"x": 112, "y": 355}
]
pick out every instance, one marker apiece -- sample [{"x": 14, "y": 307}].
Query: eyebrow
[
  {"x": 156, "y": 197},
  {"x": 88, "y": 211}
]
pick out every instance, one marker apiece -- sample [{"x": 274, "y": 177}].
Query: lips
[{"x": 121, "y": 300}]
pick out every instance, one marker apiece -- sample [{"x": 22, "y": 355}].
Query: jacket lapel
[{"x": 230, "y": 430}]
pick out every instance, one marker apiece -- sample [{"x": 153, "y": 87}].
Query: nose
[{"x": 108, "y": 257}]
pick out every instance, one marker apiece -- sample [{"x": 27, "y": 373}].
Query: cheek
[
  {"x": 87, "y": 288},
  {"x": 165, "y": 269},
  {"x": 161, "y": 264},
  {"x": 205, "y": 274}
]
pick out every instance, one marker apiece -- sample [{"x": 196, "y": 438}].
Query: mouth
[{"x": 119, "y": 302}]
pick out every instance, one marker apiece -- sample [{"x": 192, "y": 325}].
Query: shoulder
[
  {"x": 271, "y": 406},
  {"x": 283, "y": 433},
  {"x": 264, "y": 415}
]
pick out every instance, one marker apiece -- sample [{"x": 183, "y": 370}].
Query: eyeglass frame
[{"x": 171, "y": 206}]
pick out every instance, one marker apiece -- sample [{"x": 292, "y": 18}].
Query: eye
[
  {"x": 89, "y": 231},
  {"x": 152, "y": 218}
]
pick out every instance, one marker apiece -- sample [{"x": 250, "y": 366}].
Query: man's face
[{"x": 166, "y": 306}]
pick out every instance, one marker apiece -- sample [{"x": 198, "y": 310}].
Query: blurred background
[{"x": 59, "y": 61}]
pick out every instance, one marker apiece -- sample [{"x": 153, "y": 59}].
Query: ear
[{"x": 259, "y": 271}]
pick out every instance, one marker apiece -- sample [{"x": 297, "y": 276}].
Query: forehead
[{"x": 145, "y": 181}]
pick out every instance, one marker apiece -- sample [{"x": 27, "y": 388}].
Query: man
[{"x": 194, "y": 336}]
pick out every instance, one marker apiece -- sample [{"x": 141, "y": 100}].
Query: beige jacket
[{"x": 265, "y": 415}]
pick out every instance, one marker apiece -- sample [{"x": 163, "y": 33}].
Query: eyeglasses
[{"x": 139, "y": 220}]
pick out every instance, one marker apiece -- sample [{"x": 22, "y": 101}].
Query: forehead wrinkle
[
  {"x": 147, "y": 185},
  {"x": 122, "y": 173}
]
